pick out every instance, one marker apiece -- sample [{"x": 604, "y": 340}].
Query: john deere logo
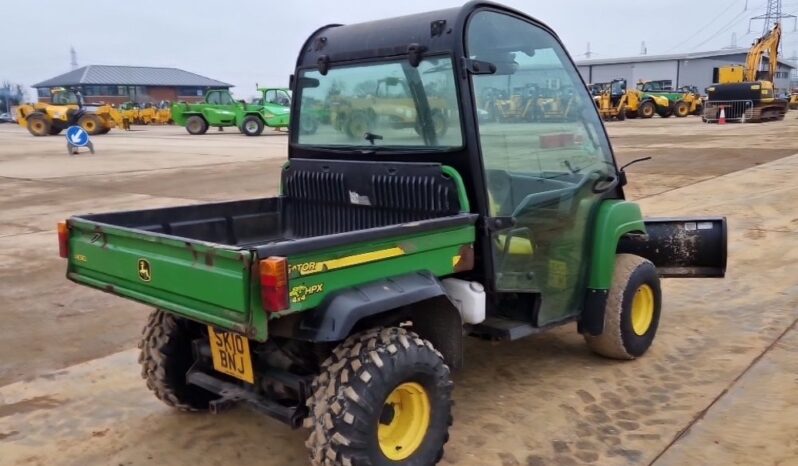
[{"x": 145, "y": 273}]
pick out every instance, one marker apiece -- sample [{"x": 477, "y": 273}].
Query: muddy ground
[{"x": 718, "y": 387}]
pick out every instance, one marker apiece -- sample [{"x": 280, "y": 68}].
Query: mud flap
[{"x": 682, "y": 247}]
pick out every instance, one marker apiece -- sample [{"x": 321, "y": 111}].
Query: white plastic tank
[{"x": 468, "y": 297}]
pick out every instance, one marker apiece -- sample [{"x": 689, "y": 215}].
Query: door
[
  {"x": 219, "y": 109},
  {"x": 545, "y": 177}
]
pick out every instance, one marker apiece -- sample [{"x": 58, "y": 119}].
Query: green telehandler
[{"x": 220, "y": 110}]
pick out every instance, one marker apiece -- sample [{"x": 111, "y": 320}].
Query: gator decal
[{"x": 309, "y": 268}]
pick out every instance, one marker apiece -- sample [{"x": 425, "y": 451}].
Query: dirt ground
[{"x": 718, "y": 387}]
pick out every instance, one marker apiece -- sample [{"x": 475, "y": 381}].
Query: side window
[
  {"x": 214, "y": 98},
  {"x": 283, "y": 98},
  {"x": 225, "y": 98},
  {"x": 270, "y": 96}
]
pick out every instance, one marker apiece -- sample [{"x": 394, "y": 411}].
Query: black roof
[
  {"x": 393, "y": 36},
  {"x": 132, "y": 76}
]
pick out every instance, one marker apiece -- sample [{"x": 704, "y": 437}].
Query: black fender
[{"x": 418, "y": 297}]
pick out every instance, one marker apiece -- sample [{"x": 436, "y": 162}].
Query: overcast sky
[{"x": 244, "y": 42}]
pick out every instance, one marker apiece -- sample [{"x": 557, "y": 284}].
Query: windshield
[{"x": 387, "y": 104}]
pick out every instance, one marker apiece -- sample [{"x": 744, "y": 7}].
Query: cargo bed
[{"x": 200, "y": 261}]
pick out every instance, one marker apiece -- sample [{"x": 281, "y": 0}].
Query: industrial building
[
  {"x": 118, "y": 84},
  {"x": 697, "y": 69}
]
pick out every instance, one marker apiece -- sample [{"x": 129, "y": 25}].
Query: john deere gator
[{"x": 342, "y": 304}]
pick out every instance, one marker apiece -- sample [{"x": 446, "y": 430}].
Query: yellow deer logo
[{"x": 145, "y": 273}]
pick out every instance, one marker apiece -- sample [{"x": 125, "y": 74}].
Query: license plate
[{"x": 230, "y": 352}]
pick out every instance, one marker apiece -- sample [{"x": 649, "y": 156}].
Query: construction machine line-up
[
  {"x": 67, "y": 108},
  {"x": 746, "y": 93}
]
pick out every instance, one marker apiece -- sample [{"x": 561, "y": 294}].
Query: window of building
[
  {"x": 190, "y": 91},
  {"x": 43, "y": 92}
]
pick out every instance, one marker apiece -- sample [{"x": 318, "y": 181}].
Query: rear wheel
[
  {"x": 196, "y": 125},
  {"x": 383, "y": 398},
  {"x": 165, "y": 358},
  {"x": 646, "y": 109},
  {"x": 252, "y": 126},
  {"x": 681, "y": 109},
  {"x": 621, "y": 113},
  {"x": 631, "y": 315},
  {"x": 38, "y": 125},
  {"x": 91, "y": 123}
]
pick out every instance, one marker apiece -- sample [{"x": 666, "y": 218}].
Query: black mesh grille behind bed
[{"x": 328, "y": 197}]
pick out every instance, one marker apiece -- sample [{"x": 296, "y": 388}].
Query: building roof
[
  {"x": 674, "y": 56},
  {"x": 130, "y": 75}
]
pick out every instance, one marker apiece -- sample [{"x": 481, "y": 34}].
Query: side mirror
[
  {"x": 622, "y": 171},
  {"x": 305, "y": 82}
]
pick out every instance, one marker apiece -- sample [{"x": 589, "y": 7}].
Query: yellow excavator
[
  {"x": 65, "y": 109},
  {"x": 744, "y": 91}
]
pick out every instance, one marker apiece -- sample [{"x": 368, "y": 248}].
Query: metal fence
[{"x": 733, "y": 110}]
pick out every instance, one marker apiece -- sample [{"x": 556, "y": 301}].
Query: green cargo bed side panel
[
  {"x": 614, "y": 219},
  {"x": 316, "y": 275}
]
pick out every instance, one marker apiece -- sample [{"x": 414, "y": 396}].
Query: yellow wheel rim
[
  {"x": 642, "y": 309},
  {"x": 89, "y": 126},
  {"x": 404, "y": 421}
]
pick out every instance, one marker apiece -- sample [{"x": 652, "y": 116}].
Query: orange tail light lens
[
  {"x": 63, "y": 239},
  {"x": 274, "y": 283}
]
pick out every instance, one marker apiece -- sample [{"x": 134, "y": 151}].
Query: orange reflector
[
  {"x": 465, "y": 258},
  {"x": 274, "y": 283},
  {"x": 63, "y": 239}
]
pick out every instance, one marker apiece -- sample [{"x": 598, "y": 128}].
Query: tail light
[
  {"x": 63, "y": 239},
  {"x": 274, "y": 283}
]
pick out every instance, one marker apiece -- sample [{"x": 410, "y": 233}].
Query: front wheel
[
  {"x": 621, "y": 113},
  {"x": 631, "y": 315},
  {"x": 382, "y": 398},
  {"x": 252, "y": 126},
  {"x": 681, "y": 109},
  {"x": 91, "y": 123}
]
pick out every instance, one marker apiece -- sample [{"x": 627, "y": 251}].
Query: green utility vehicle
[
  {"x": 343, "y": 303},
  {"x": 220, "y": 110}
]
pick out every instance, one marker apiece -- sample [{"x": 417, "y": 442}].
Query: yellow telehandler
[
  {"x": 65, "y": 109},
  {"x": 616, "y": 101}
]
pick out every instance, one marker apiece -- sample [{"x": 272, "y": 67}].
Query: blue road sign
[{"x": 77, "y": 136}]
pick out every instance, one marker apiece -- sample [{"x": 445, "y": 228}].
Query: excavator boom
[{"x": 768, "y": 43}]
